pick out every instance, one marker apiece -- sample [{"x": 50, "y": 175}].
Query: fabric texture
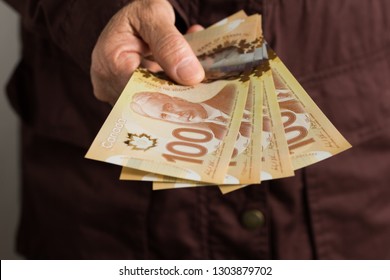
[{"x": 74, "y": 208}]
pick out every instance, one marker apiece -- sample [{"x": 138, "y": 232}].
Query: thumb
[{"x": 169, "y": 48}]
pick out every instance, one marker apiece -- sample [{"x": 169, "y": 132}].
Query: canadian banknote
[
  {"x": 182, "y": 131},
  {"x": 229, "y": 49},
  {"x": 276, "y": 162},
  {"x": 311, "y": 137}
]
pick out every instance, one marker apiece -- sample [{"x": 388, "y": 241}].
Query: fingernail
[{"x": 190, "y": 71}]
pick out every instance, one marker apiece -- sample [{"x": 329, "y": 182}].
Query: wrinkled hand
[{"x": 138, "y": 30}]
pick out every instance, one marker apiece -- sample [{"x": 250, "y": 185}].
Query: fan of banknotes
[{"x": 247, "y": 122}]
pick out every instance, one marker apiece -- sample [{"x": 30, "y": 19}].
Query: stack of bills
[{"x": 248, "y": 121}]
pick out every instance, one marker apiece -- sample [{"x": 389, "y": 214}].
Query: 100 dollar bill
[
  {"x": 227, "y": 50},
  {"x": 182, "y": 131},
  {"x": 311, "y": 137},
  {"x": 275, "y": 153}
]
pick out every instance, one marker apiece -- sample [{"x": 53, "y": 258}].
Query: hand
[{"x": 136, "y": 31}]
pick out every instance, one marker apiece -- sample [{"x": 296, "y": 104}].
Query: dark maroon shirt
[{"x": 77, "y": 208}]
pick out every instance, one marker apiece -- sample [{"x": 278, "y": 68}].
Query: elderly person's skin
[{"x": 138, "y": 30}]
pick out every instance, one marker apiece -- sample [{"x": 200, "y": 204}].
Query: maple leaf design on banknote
[{"x": 140, "y": 142}]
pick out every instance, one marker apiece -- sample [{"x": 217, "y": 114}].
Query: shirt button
[{"x": 253, "y": 219}]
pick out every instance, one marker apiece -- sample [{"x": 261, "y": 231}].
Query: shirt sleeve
[{"x": 72, "y": 25}]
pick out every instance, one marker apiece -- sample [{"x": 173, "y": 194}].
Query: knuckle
[{"x": 171, "y": 47}]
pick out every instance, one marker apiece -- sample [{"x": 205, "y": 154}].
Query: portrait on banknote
[{"x": 213, "y": 113}]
